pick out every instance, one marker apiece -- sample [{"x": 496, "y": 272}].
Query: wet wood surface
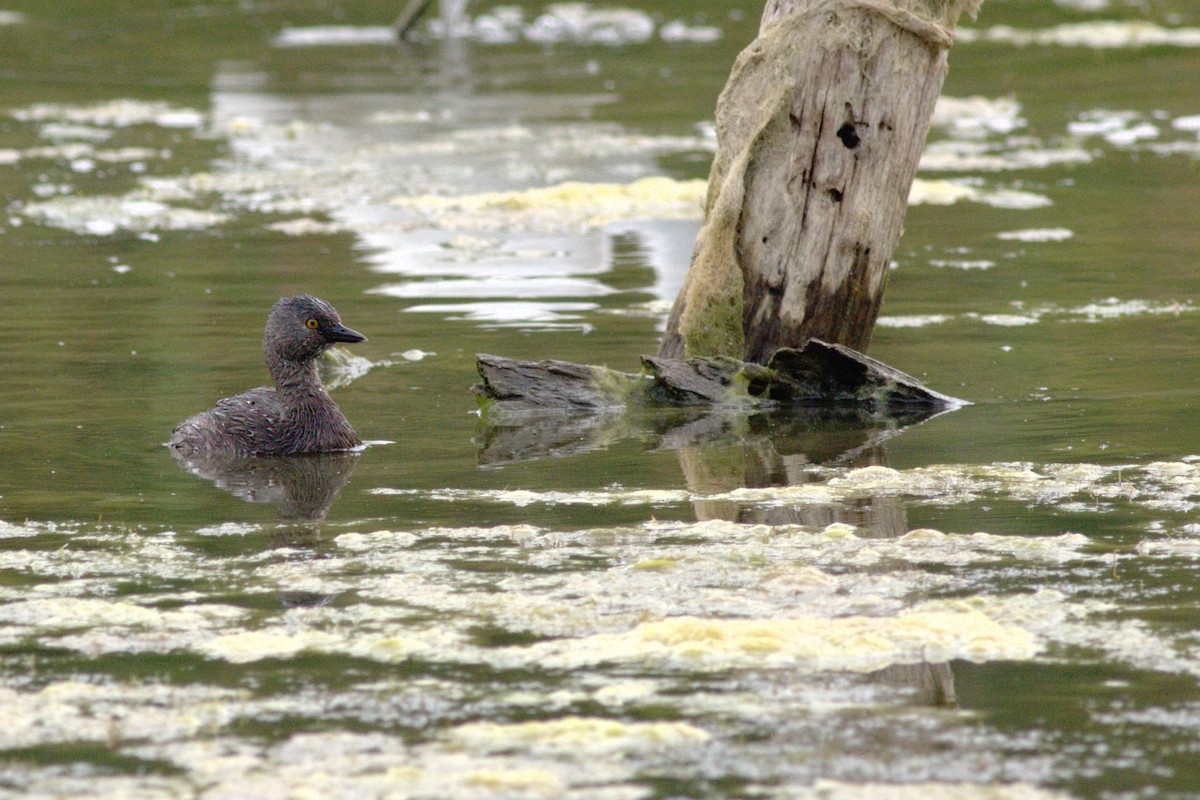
[
  {"x": 819, "y": 131},
  {"x": 818, "y": 375}
]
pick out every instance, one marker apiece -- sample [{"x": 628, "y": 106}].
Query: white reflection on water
[
  {"x": 436, "y": 187},
  {"x": 543, "y": 286},
  {"x": 1103, "y": 309},
  {"x": 576, "y": 23},
  {"x": 1101, "y": 34},
  {"x": 350, "y": 156},
  {"x": 515, "y": 314}
]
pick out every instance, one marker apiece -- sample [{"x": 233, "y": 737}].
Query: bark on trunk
[{"x": 819, "y": 129}]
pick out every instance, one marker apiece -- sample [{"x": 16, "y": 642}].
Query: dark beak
[{"x": 340, "y": 333}]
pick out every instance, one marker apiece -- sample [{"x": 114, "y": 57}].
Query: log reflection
[
  {"x": 788, "y": 461},
  {"x": 822, "y": 435},
  {"x": 787, "y": 458},
  {"x": 721, "y": 450}
]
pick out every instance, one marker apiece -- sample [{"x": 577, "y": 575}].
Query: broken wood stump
[
  {"x": 818, "y": 375},
  {"x": 819, "y": 131}
]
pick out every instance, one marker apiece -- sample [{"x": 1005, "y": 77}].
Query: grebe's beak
[{"x": 340, "y": 333}]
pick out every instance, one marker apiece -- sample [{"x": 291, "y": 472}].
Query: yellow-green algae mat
[{"x": 519, "y": 661}]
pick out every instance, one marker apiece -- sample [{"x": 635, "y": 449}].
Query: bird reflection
[{"x": 302, "y": 487}]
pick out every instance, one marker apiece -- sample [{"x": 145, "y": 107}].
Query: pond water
[{"x": 1000, "y": 602}]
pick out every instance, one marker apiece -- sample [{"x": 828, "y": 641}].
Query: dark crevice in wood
[{"x": 849, "y": 136}]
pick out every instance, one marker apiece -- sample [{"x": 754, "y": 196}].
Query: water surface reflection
[
  {"x": 302, "y": 487},
  {"x": 592, "y": 624}
]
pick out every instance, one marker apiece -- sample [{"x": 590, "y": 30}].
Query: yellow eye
[{"x": 312, "y": 323}]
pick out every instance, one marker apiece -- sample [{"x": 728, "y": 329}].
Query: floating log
[
  {"x": 819, "y": 375},
  {"x": 819, "y": 131}
]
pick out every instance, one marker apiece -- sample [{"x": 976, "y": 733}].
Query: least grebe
[{"x": 297, "y": 415}]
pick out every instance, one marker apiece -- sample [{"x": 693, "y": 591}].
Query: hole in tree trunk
[{"x": 848, "y": 135}]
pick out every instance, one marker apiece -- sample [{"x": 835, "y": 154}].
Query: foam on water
[
  {"x": 573, "y": 735},
  {"x": 106, "y": 215},
  {"x": 631, "y": 613},
  {"x": 335, "y": 35},
  {"x": 945, "y": 192},
  {"x": 567, "y": 206},
  {"x": 340, "y": 367},
  {"x": 1102, "y": 34},
  {"x": 963, "y": 264},
  {"x": 544, "y": 244},
  {"x": 576, "y": 660},
  {"x": 969, "y": 156},
  {"x": 1036, "y": 235},
  {"x": 977, "y": 116},
  {"x": 1008, "y": 320},
  {"x": 1168, "y": 485},
  {"x": 861, "y": 644},
  {"x": 558, "y": 23},
  {"x": 1099, "y": 311},
  {"x": 842, "y": 790},
  {"x": 120, "y": 113}
]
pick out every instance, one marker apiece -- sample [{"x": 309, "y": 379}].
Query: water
[{"x": 997, "y": 603}]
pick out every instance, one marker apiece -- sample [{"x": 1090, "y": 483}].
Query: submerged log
[
  {"x": 819, "y": 375},
  {"x": 819, "y": 131}
]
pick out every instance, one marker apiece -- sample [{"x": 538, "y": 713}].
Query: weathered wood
[
  {"x": 704, "y": 380},
  {"x": 823, "y": 373},
  {"x": 819, "y": 131},
  {"x": 512, "y": 386},
  {"x": 817, "y": 375}
]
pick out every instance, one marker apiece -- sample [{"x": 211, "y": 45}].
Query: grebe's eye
[{"x": 312, "y": 323}]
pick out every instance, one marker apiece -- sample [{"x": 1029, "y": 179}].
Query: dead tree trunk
[{"x": 819, "y": 131}]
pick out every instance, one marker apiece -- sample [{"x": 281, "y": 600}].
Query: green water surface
[{"x": 111, "y": 336}]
